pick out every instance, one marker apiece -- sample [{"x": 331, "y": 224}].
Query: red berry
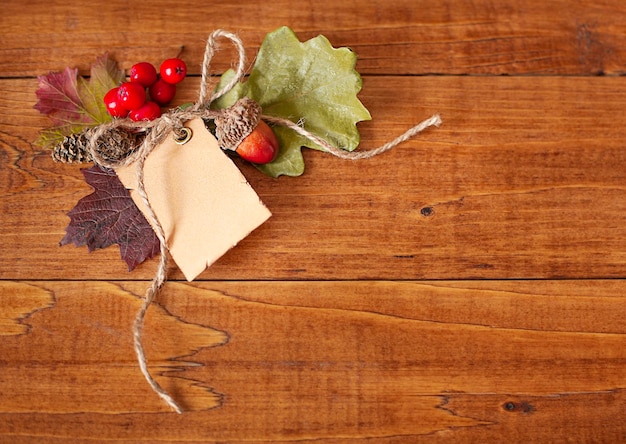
[
  {"x": 148, "y": 111},
  {"x": 114, "y": 105},
  {"x": 173, "y": 70},
  {"x": 260, "y": 146},
  {"x": 162, "y": 92},
  {"x": 132, "y": 95},
  {"x": 143, "y": 73}
]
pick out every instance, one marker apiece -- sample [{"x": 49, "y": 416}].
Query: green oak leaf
[{"x": 309, "y": 82}]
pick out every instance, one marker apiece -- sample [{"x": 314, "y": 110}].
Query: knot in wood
[{"x": 237, "y": 122}]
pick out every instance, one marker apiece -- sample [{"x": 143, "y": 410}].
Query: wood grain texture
[
  {"x": 70, "y": 346},
  {"x": 525, "y": 179},
  {"x": 468, "y": 286},
  {"x": 17, "y": 303},
  {"x": 400, "y": 37},
  {"x": 390, "y": 361}
]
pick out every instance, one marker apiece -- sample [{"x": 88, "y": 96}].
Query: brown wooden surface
[{"x": 467, "y": 286}]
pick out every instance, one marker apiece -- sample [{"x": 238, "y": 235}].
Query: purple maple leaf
[{"x": 109, "y": 216}]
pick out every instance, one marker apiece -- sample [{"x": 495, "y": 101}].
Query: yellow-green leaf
[{"x": 104, "y": 76}]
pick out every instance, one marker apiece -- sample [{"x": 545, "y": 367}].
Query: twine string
[
  {"x": 209, "y": 51},
  {"x": 152, "y": 291},
  {"x": 173, "y": 121},
  {"x": 354, "y": 155}
]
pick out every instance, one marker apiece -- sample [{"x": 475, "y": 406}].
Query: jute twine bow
[{"x": 173, "y": 121}]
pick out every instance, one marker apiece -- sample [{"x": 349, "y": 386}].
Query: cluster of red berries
[{"x": 143, "y": 95}]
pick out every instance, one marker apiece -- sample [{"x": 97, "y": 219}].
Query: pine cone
[
  {"x": 113, "y": 146},
  {"x": 116, "y": 145},
  {"x": 73, "y": 149}
]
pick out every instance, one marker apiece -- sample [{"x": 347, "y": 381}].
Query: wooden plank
[
  {"x": 465, "y": 361},
  {"x": 400, "y": 37},
  {"x": 525, "y": 179},
  {"x": 398, "y": 299}
]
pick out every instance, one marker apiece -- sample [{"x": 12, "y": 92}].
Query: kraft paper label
[{"x": 201, "y": 199}]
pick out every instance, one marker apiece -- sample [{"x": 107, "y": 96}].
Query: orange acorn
[
  {"x": 260, "y": 146},
  {"x": 241, "y": 129}
]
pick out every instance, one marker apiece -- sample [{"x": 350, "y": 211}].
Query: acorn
[
  {"x": 260, "y": 146},
  {"x": 241, "y": 129}
]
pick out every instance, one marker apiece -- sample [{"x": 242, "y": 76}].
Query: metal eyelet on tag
[{"x": 184, "y": 136}]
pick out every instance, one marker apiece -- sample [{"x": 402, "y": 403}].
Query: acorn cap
[{"x": 237, "y": 122}]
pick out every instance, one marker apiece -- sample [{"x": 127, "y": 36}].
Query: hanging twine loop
[{"x": 111, "y": 145}]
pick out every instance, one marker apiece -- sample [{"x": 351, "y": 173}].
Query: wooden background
[{"x": 465, "y": 287}]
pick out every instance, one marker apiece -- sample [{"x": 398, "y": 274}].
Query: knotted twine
[{"x": 173, "y": 122}]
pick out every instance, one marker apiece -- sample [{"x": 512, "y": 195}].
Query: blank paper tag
[{"x": 203, "y": 202}]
